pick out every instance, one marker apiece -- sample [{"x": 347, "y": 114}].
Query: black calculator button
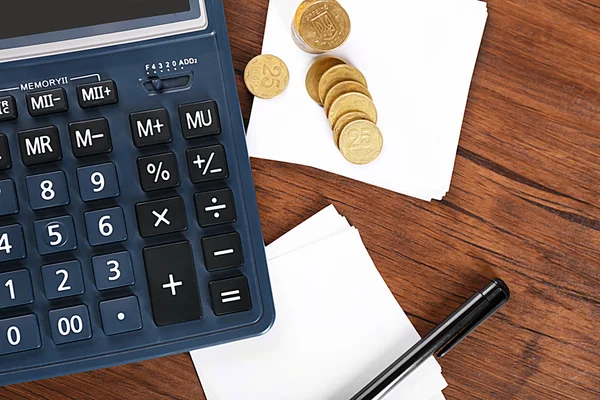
[
  {"x": 223, "y": 251},
  {"x": 19, "y": 334},
  {"x": 8, "y": 198},
  {"x": 113, "y": 270},
  {"x": 199, "y": 119},
  {"x": 55, "y": 235},
  {"x": 16, "y": 289},
  {"x": 91, "y": 137},
  {"x": 121, "y": 315},
  {"x": 215, "y": 207},
  {"x": 161, "y": 217},
  {"x": 47, "y": 190},
  {"x": 63, "y": 280},
  {"x": 207, "y": 163},
  {"x": 97, "y": 94},
  {"x": 5, "y": 161},
  {"x": 158, "y": 172},
  {"x": 230, "y": 296},
  {"x": 98, "y": 182},
  {"x": 70, "y": 324},
  {"x": 12, "y": 243},
  {"x": 105, "y": 226},
  {"x": 47, "y": 102},
  {"x": 173, "y": 285},
  {"x": 8, "y": 109},
  {"x": 41, "y": 145},
  {"x": 151, "y": 127}
]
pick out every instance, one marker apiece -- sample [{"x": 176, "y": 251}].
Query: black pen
[{"x": 440, "y": 340}]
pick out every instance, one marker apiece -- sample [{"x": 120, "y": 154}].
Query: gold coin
[
  {"x": 316, "y": 71},
  {"x": 343, "y": 88},
  {"x": 345, "y": 120},
  {"x": 324, "y": 25},
  {"x": 350, "y": 102},
  {"x": 361, "y": 142},
  {"x": 337, "y": 74},
  {"x": 266, "y": 76},
  {"x": 300, "y": 12}
]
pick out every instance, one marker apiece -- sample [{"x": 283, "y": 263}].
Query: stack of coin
[
  {"x": 342, "y": 90},
  {"x": 320, "y": 26}
]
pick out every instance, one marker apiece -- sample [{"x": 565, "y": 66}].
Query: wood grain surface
[{"x": 524, "y": 206}]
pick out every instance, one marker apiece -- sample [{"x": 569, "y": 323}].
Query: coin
[
  {"x": 316, "y": 71},
  {"x": 266, "y": 76},
  {"x": 352, "y": 102},
  {"x": 345, "y": 120},
  {"x": 343, "y": 88},
  {"x": 300, "y": 12},
  {"x": 361, "y": 142},
  {"x": 337, "y": 74},
  {"x": 324, "y": 25}
]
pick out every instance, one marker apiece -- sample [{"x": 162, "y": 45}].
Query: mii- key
[{"x": 128, "y": 220}]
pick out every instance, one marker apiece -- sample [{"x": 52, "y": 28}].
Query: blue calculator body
[{"x": 129, "y": 227}]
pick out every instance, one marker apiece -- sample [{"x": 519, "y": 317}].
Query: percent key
[{"x": 158, "y": 172}]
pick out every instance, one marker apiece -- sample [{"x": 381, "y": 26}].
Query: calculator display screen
[{"x": 30, "y": 17}]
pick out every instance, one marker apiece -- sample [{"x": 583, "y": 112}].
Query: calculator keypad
[
  {"x": 47, "y": 190},
  {"x": 175, "y": 293},
  {"x": 89, "y": 138},
  {"x": 63, "y": 280},
  {"x": 70, "y": 324},
  {"x": 150, "y": 128},
  {"x": 105, "y": 226},
  {"x": 173, "y": 285},
  {"x": 40, "y": 145},
  {"x": 19, "y": 334},
  {"x": 161, "y": 217},
  {"x": 15, "y": 289},
  {"x": 98, "y": 182},
  {"x": 5, "y": 160},
  {"x": 8, "y": 198},
  {"x": 158, "y": 172}
]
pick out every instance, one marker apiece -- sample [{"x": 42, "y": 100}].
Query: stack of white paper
[
  {"x": 337, "y": 327},
  {"x": 418, "y": 57}
]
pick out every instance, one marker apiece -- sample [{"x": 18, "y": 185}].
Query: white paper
[
  {"x": 332, "y": 334},
  {"x": 418, "y": 58}
]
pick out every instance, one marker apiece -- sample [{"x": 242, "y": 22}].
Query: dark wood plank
[{"x": 524, "y": 206}]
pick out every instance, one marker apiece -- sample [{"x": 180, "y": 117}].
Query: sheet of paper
[
  {"x": 317, "y": 325},
  {"x": 419, "y": 61}
]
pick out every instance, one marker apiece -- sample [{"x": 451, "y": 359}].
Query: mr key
[{"x": 128, "y": 221}]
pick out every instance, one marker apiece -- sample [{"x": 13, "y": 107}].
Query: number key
[
  {"x": 19, "y": 334},
  {"x": 63, "y": 279},
  {"x": 8, "y": 198},
  {"x": 12, "y": 243},
  {"x": 105, "y": 226},
  {"x": 113, "y": 270},
  {"x": 47, "y": 190},
  {"x": 70, "y": 324},
  {"x": 98, "y": 182},
  {"x": 55, "y": 235},
  {"x": 15, "y": 289}
]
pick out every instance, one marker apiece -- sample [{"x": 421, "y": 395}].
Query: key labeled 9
[{"x": 98, "y": 182}]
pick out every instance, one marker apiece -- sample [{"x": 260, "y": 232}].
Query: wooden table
[{"x": 524, "y": 206}]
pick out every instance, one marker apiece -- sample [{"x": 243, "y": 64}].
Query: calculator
[{"x": 129, "y": 226}]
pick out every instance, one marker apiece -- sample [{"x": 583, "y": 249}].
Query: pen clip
[{"x": 496, "y": 294}]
